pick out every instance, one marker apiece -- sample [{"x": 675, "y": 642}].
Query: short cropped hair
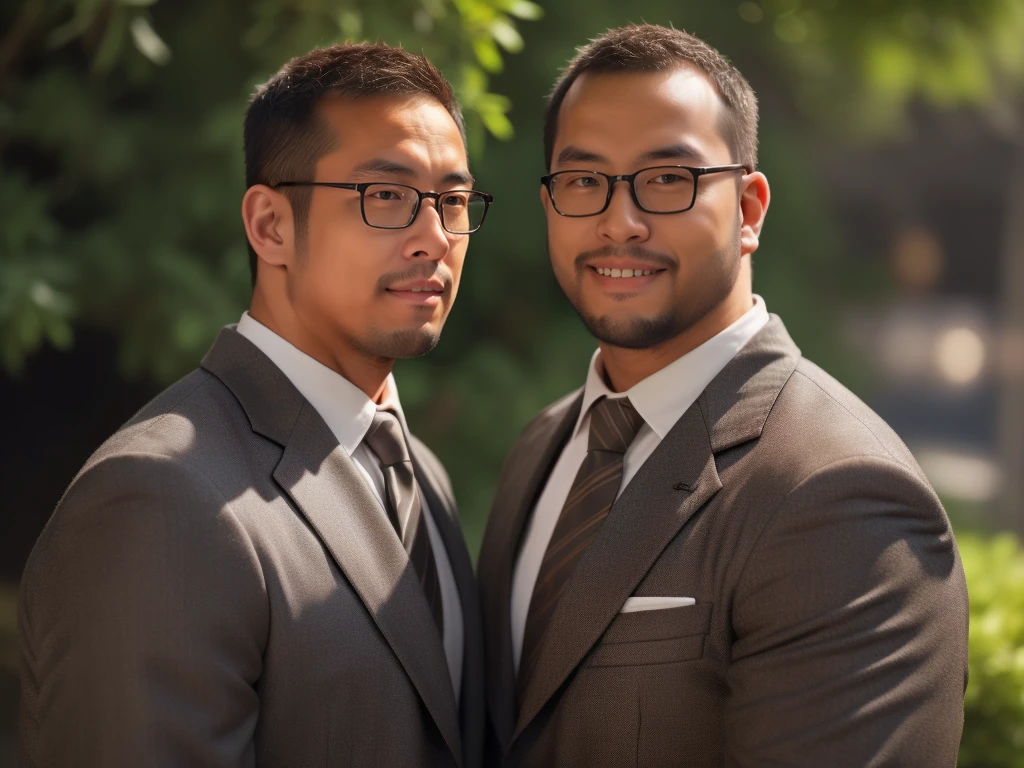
[
  {"x": 653, "y": 48},
  {"x": 284, "y": 134}
]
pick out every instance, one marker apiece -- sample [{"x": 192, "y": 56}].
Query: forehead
[
  {"x": 415, "y": 131},
  {"x": 624, "y": 116}
]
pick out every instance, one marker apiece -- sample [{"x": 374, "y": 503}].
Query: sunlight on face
[
  {"x": 638, "y": 279},
  {"x": 382, "y": 292}
]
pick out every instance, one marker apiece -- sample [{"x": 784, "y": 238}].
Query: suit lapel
[
  {"x": 677, "y": 480},
  {"x": 330, "y": 492},
  {"x": 518, "y": 489},
  {"x": 442, "y": 508}
]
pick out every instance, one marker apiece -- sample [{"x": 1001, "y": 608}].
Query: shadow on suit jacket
[
  {"x": 219, "y": 587},
  {"x": 830, "y": 624}
]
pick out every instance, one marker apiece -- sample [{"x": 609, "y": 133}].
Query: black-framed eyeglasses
[
  {"x": 395, "y": 206},
  {"x": 661, "y": 189}
]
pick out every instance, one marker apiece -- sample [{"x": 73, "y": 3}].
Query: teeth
[{"x": 624, "y": 272}]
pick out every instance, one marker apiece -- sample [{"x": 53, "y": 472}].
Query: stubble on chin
[
  {"x": 399, "y": 345},
  {"x": 675, "y": 318}
]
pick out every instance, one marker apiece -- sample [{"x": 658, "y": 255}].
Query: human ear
[
  {"x": 754, "y": 200},
  {"x": 269, "y": 225}
]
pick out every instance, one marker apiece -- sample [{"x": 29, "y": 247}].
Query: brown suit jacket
[
  {"x": 830, "y": 625},
  {"x": 219, "y": 587}
]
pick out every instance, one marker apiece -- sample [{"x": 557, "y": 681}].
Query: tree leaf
[
  {"x": 525, "y": 10},
  {"x": 487, "y": 54},
  {"x": 148, "y": 41}
]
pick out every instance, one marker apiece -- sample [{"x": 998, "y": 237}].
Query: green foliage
[
  {"x": 120, "y": 129},
  {"x": 994, "y": 704},
  {"x": 121, "y": 176},
  {"x": 858, "y": 63}
]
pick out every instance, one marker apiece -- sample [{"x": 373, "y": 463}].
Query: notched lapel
[
  {"x": 326, "y": 486},
  {"x": 520, "y": 484},
  {"x": 673, "y": 484},
  {"x": 677, "y": 480}
]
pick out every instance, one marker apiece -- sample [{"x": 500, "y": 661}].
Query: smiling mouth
[{"x": 625, "y": 273}]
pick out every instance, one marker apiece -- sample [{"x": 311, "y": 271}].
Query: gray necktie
[{"x": 387, "y": 440}]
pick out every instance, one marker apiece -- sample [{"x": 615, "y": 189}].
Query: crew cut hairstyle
[
  {"x": 285, "y": 135},
  {"x": 653, "y": 48}
]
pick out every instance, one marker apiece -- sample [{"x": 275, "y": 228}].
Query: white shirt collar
[
  {"x": 664, "y": 396},
  {"x": 346, "y": 408}
]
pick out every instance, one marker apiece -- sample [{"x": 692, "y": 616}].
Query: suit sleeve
[
  {"x": 142, "y": 619},
  {"x": 851, "y": 627}
]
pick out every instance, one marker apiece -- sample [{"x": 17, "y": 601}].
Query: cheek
[
  {"x": 456, "y": 260},
  {"x": 339, "y": 269},
  {"x": 567, "y": 239},
  {"x": 693, "y": 239}
]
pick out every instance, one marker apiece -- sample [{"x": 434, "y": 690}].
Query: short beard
[
  {"x": 393, "y": 345},
  {"x": 415, "y": 342},
  {"x": 675, "y": 319}
]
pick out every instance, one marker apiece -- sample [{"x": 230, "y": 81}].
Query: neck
[
  {"x": 624, "y": 368},
  {"x": 368, "y": 373}
]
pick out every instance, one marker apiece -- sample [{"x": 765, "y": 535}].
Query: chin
[
  {"x": 631, "y": 331},
  {"x": 398, "y": 344}
]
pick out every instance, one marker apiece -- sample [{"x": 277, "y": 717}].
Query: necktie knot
[
  {"x": 613, "y": 425},
  {"x": 387, "y": 440}
]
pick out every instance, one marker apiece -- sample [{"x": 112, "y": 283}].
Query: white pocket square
[{"x": 634, "y": 604}]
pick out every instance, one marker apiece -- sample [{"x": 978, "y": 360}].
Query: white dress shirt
[
  {"x": 349, "y": 412},
  {"x": 662, "y": 398}
]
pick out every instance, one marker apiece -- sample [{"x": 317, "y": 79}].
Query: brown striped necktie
[
  {"x": 613, "y": 426},
  {"x": 387, "y": 440}
]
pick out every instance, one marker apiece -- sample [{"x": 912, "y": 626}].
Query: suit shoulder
[
  {"x": 817, "y": 421},
  {"x": 128, "y": 497},
  {"x": 196, "y": 417},
  {"x": 191, "y": 441}
]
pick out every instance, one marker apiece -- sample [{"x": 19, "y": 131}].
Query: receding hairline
[{"x": 382, "y": 164}]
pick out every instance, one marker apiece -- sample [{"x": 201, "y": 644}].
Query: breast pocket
[{"x": 661, "y": 636}]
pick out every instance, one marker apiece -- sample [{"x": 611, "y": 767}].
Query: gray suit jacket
[
  {"x": 830, "y": 625},
  {"x": 219, "y": 587}
]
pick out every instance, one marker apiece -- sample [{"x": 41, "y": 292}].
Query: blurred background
[{"x": 892, "y": 134}]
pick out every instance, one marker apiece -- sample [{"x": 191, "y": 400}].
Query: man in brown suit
[
  {"x": 263, "y": 567},
  {"x": 713, "y": 554}
]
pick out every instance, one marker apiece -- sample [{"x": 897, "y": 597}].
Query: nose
[
  {"x": 427, "y": 238},
  {"x": 622, "y": 221}
]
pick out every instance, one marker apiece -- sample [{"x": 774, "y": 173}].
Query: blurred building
[{"x": 939, "y": 216}]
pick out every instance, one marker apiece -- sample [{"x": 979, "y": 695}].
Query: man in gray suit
[
  {"x": 712, "y": 554},
  {"x": 263, "y": 566}
]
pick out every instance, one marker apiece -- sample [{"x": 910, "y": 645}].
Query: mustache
[
  {"x": 422, "y": 272},
  {"x": 631, "y": 251}
]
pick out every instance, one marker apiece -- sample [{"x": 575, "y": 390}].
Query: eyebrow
[
  {"x": 572, "y": 154},
  {"x": 381, "y": 165},
  {"x": 674, "y": 152}
]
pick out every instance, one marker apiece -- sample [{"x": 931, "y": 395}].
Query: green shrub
[{"x": 994, "y": 704}]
